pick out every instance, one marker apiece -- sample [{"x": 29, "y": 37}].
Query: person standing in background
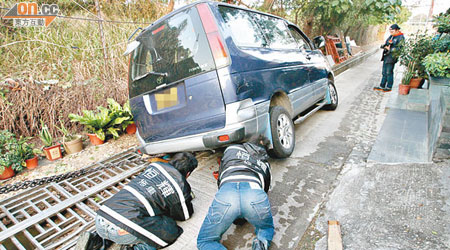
[{"x": 390, "y": 47}]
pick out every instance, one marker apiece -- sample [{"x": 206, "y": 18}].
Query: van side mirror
[{"x": 319, "y": 42}]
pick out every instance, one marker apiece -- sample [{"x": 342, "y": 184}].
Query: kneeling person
[
  {"x": 244, "y": 179},
  {"x": 143, "y": 213}
]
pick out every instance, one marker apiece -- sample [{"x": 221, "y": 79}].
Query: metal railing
[{"x": 52, "y": 216}]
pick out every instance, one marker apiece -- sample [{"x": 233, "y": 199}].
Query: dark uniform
[
  {"x": 149, "y": 205},
  {"x": 244, "y": 179}
]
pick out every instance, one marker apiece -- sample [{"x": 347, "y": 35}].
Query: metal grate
[{"x": 51, "y": 216}]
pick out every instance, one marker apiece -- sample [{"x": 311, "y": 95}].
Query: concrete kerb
[
  {"x": 412, "y": 127},
  {"x": 357, "y": 59}
]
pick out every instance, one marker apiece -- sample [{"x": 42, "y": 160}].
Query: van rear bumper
[
  {"x": 243, "y": 121},
  {"x": 209, "y": 140}
]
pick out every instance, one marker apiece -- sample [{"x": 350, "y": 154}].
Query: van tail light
[
  {"x": 212, "y": 32},
  {"x": 223, "y": 138}
]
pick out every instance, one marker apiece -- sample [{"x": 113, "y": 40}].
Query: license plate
[{"x": 167, "y": 98}]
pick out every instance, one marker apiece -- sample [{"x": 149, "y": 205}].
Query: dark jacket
[
  {"x": 391, "y": 56},
  {"x": 148, "y": 205},
  {"x": 245, "y": 163}
]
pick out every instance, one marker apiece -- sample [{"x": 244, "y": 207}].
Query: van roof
[{"x": 208, "y": 2}]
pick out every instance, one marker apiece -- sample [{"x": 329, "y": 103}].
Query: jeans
[
  {"x": 109, "y": 231},
  {"x": 388, "y": 75},
  {"x": 236, "y": 200}
]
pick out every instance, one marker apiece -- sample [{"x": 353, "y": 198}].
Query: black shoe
[
  {"x": 387, "y": 90},
  {"x": 259, "y": 245},
  {"x": 378, "y": 88},
  {"x": 239, "y": 221},
  {"x": 89, "y": 241}
]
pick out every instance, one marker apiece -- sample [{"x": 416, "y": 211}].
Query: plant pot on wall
[
  {"x": 95, "y": 140},
  {"x": 73, "y": 146},
  {"x": 7, "y": 173},
  {"x": 32, "y": 163},
  {"x": 53, "y": 153},
  {"x": 403, "y": 89},
  {"x": 414, "y": 83}
]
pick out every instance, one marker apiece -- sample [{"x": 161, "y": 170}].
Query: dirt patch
[{"x": 91, "y": 154}]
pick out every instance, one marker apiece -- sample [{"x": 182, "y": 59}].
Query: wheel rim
[
  {"x": 333, "y": 94},
  {"x": 285, "y": 131}
]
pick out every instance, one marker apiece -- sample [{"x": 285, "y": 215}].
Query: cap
[{"x": 395, "y": 27}]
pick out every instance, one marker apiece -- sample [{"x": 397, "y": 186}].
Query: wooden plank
[{"x": 334, "y": 235}]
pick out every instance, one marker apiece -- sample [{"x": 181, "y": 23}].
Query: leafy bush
[
  {"x": 414, "y": 50},
  {"x": 13, "y": 151},
  {"x": 122, "y": 114},
  {"x": 438, "y": 64},
  {"x": 442, "y": 22}
]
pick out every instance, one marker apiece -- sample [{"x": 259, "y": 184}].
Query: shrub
[
  {"x": 13, "y": 151},
  {"x": 438, "y": 64}
]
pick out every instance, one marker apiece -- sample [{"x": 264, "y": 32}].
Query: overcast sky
[{"x": 423, "y": 6}]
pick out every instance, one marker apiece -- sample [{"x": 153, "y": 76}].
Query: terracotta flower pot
[
  {"x": 95, "y": 140},
  {"x": 7, "y": 173},
  {"x": 32, "y": 163},
  {"x": 131, "y": 129},
  {"x": 73, "y": 146},
  {"x": 414, "y": 83},
  {"x": 53, "y": 153},
  {"x": 403, "y": 89}
]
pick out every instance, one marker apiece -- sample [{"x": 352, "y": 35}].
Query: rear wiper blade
[{"x": 163, "y": 74}]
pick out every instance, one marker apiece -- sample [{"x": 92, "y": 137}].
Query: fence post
[{"x": 102, "y": 34}]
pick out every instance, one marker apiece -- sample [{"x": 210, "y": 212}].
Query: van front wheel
[
  {"x": 333, "y": 97},
  {"x": 283, "y": 135}
]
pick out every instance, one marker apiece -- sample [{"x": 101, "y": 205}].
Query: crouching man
[
  {"x": 143, "y": 213},
  {"x": 244, "y": 179}
]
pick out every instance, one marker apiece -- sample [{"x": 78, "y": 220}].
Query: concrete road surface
[{"x": 327, "y": 178}]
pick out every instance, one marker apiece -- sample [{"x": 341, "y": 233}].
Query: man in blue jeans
[
  {"x": 143, "y": 213},
  {"x": 390, "y": 57},
  {"x": 244, "y": 179}
]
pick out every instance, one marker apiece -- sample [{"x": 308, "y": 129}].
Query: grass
[{"x": 71, "y": 52}]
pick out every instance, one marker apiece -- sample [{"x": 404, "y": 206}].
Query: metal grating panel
[{"x": 52, "y": 216}]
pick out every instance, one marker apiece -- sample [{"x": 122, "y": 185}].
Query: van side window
[
  {"x": 276, "y": 31},
  {"x": 302, "y": 43},
  {"x": 244, "y": 30}
]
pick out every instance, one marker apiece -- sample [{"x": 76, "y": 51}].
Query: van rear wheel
[{"x": 283, "y": 135}]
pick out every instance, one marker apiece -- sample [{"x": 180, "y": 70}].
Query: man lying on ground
[{"x": 143, "y": 213}]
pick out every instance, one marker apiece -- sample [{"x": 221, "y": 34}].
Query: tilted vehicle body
[{"x": 210, "y": 74}]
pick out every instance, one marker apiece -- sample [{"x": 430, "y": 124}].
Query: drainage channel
[{"x": 52, "y": 216}]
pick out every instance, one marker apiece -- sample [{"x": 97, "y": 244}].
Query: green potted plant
[
  {"x": 106, "y": 121},
  {"x": 28, "y": 153},
  {"x": 415, "y": 50},
  {"x": 95, "y": 123},
  {"x": 404, "y": 87},
  {"x": 72, "y": 143},
  {"x": 123, "y": 118},
  {"x": 11, "y": 160},
  {"x": 52, "y": 152},
  {"x": 438, "y": 67}
]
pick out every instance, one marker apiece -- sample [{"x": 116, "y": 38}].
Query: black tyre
[
  {"x": 283, "y": 134},
  {"x": 333, "y": 96}
]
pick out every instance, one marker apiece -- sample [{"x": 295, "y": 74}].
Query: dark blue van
[{"x": 210, "y": 74}]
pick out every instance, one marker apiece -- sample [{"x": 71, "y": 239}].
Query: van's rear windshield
[{"x": 172, "y": 50}]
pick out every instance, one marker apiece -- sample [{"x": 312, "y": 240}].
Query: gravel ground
[{"x": 68, "y": 163}]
